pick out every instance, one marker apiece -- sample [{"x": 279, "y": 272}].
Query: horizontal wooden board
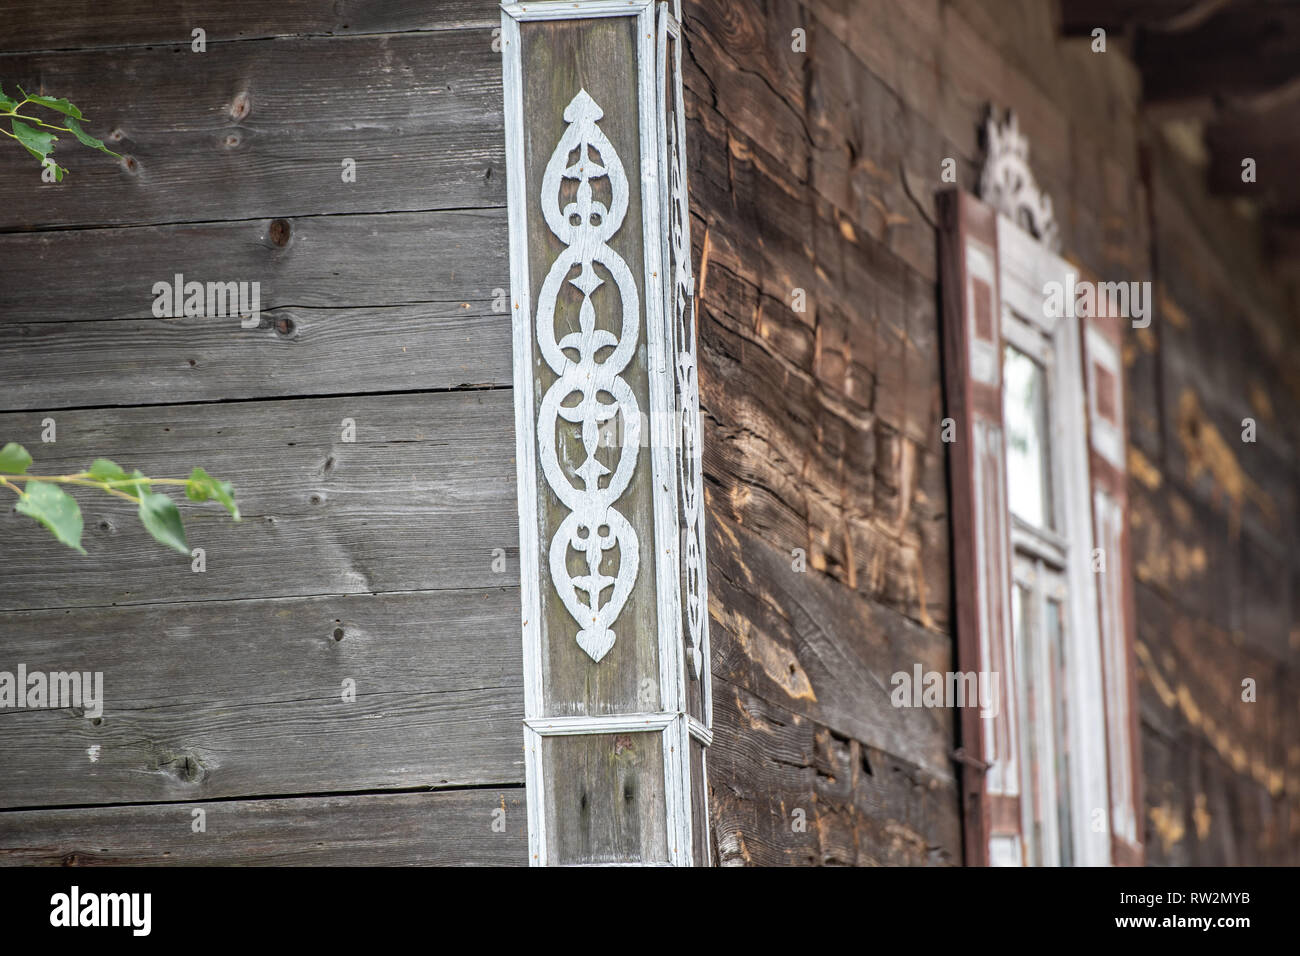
[
  {"x": 1193, "y": 683},
  {"x": 446, "y": 828},
  {"x": 419, "y": 501},
  {"x": 800, "y": 433},
  {"x": 1201, "y": 812},
  {"x": 454, "y": 258},
  {"x": 785, "y": 790},
  {"x": 803, "y": 641},
  {"x": 295, "y": 351},
  {"x": 80, "y": 24},
  {"x": 262, "y": 128},
  {"x": 238, "y": 698}
]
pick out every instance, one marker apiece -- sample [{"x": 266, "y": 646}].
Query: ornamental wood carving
[
  {"x": 594, "y": 526},
  {"x": 689, "y": 463},
  {"x": 1008, "y": 185}
]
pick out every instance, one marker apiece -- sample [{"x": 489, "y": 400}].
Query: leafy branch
[
  {"x": 30, "y": 130},
  {"x": 41, "y": 498}
]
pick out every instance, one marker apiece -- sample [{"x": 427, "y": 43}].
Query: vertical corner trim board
[{"x": 607, "y": 432}]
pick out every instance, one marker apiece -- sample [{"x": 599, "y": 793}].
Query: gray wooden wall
[{"x": 370, "y": 560}]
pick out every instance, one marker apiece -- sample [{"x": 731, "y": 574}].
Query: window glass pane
[
  {"x": 1025, "y": 413},
  {"x": 1055, "y": 640}
]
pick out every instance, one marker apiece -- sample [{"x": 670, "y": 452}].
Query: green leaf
[
  {"x": 59, "y": 105},
  {"x": 202, "y": 487},
  {"x": 6, "y": 103},
  {"x": 162, "y": 519},
  {"x": 14, "y": 459},
  {"x": 87, "y": 140},
  {"x": 101, "y": 469},
  {"x": 137, "y": 490},
  {"x": 38, "y": 142},
  {"x": 54, "y": 508}
]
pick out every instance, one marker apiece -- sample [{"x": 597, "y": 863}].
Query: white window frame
[{"x": 1026, "y": 266}]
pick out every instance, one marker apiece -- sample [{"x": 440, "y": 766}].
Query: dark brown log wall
[{"x": 817, "y": 171}]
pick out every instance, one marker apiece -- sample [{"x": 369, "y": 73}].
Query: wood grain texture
[
  {"x": 81, "y": 24},
  {"x": 821, "y": 435},
  {"x": 236, "y": 698},
  {"x": 1213, "y": 519},
  {"x": 446, "y": 828},
  {"x": 452, "y": 259},
  {"x": 817, "y": 172},
  {"x": 803, "y": 641},
  {"x": 295, "y": 351},
  {"x": 802, "y": 167},
  {"x": 419, "y": 501},
  {"x": 841, "y": 457},
  {"x": 228, "y": 134},
  {"x": 785, "y": 790},
  {"x": 598, "y": 56}
]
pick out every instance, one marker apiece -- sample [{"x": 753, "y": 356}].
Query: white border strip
[{"x": 601, "y": 724}]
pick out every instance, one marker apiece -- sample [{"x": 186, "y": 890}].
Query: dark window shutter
[{"x": 972, "y": 309}]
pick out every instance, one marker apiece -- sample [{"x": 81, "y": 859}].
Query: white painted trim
[
  {"x": 1124, "y": 816},
  {"x": 985, "y": 358},
  {"x": 699, "y": 731},
  {"x": 525, "y": 428},
  {"x": 535, "y": 797},
  {"x": 672, "y": 28},
  {"x": 677, "y": 787},
  {"x": 1107, "y": 437},
  {"x": 1026, "y": 266},
  {"x": 575, "y": 9},
  {"x": 599, "y": 724},
  {"x": 671, "y": 720}
]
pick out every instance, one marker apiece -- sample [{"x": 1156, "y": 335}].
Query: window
[{"x": 1039, "y": 551}]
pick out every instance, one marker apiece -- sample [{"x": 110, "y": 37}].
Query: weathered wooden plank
[
  {"x": 827, "y": 297},
  {"x": 295, "y": 351},
  {"x": 805, "y": 642},
  {"x": 875, "y": 809},
  {"x": 742, "y": 62},
  {"x": 1202, "y": 813},
  {"x": 1192, "y": 677},
  {"x": 446, "y": 828},
  {"x": 785, "y": 790},
  {"x": 1180, "y": 548},
  {"x": 864, "y": 503},
  {"x": 228, "y": 134},
  {"x": 237, "y": 698},
  {"x": 1223, "y": 358},
  {"x": 812, "y": 119},
  {"x": 431, "y": 258},
  {"x": 80, "y": 24},
  {"x": 418, "y": 501},
  {"x": 1204, "y": 245}
]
